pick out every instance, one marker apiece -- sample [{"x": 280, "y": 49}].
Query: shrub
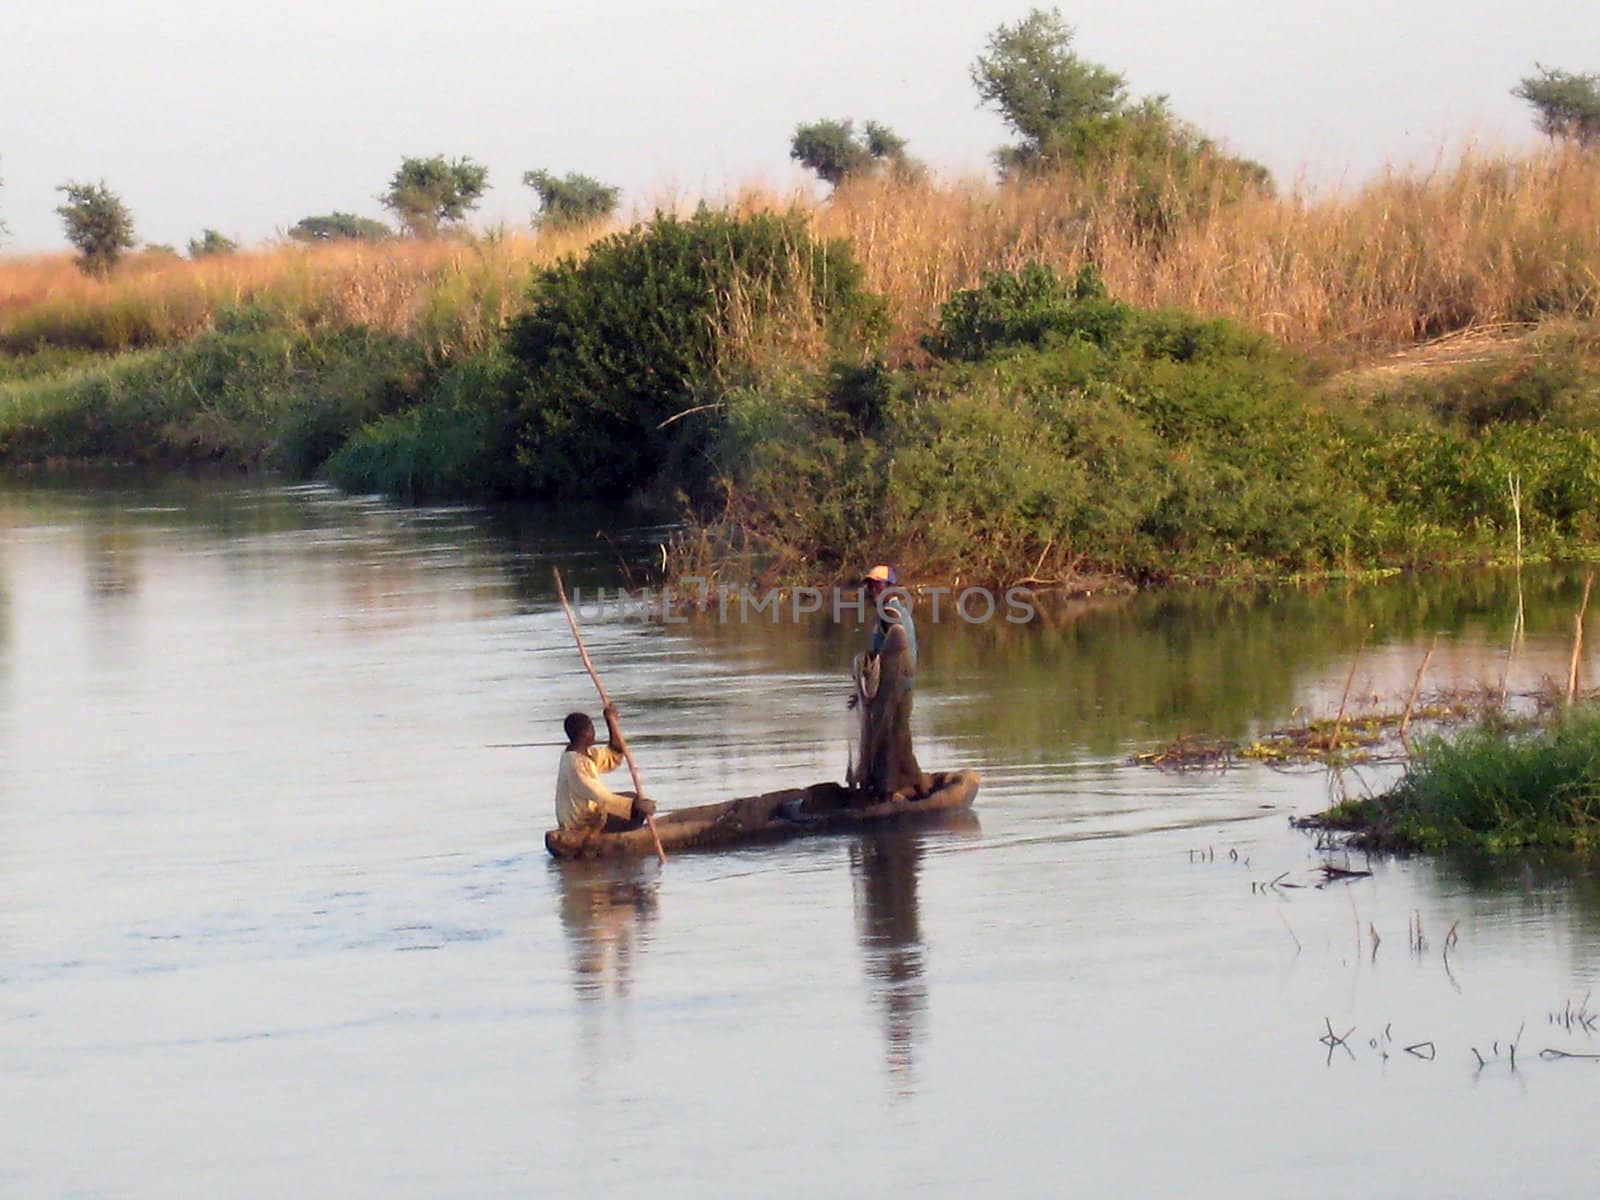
[
  {"x": 1033, "y": 307},
  {"x": 1173, "y": 447},
  {"x": 617, "y": 344},
  {"x": 457, "y": 442}
]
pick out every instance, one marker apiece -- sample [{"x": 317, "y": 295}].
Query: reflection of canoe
[{"x": 794, "y": 812}]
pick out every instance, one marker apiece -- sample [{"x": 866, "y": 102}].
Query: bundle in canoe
[{"x": 793, "y": 812}]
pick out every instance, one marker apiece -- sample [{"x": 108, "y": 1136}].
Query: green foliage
[
  {"x": 1033, "y": 307},
  {"x": 339, "y": 227},
  {"x": 615, "y": 345},
  {"x": 1070, "y": 430},
  {"x": 426, "y": 194},
  {"x": 570, "y": 202},
  {"x": 1025, "y": 308},
  {"x": 1496, "y": 787},
  {"x": 835, "y": 151},
  {"x": 258, "y": 395},
  {"x": 1553, "y": 387},
  {"x": 1566, "y": 105},
  {"x": 1061, "y": 106},
  {"x": 98, "y": 224},
  {"x": 211, "y": 243},
  {"x": 830, "y": 148},
  {"x": 459, "y": 441},
  {"x": 1069, "y": 112}
]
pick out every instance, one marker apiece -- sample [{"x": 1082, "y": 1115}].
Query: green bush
[
  {"x": 1071, "y": 455},
  {"x": 652, "y": 322},
  {"x": 457, "y": 442},
  {"x": 1033, "y": 307}
]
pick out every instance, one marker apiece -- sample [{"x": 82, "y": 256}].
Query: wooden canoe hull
[{"x": 792, "y": 812}]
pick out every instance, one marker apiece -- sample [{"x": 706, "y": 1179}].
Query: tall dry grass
[
  {"x": 1478, "y": 240},
  {"x": 1481, "y": 240},
  {"x": 454, "y": 294}
]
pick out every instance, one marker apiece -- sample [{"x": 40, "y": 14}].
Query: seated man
[{"x": 582, "y": 801}]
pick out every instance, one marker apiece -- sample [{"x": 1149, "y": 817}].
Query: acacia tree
[
  {"x": 1061, "y": 106},
  {"x": 210, "y": 243},
  {"x": 1566, "y": 105},
  {"x": 98, "y": 224},
  {"x": 429, "y": 193},
  {"x": 339, "y": 227},
  {"x": 571, "y": 201},
  {"x": 835, "y": 151}
]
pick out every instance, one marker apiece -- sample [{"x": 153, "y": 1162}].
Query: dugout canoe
[{"x": 793, "y": 812}]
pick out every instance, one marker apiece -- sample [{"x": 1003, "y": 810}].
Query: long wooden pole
[{"x": 605, "y": 702}]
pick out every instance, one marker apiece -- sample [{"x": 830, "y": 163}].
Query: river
[{"x": 276, "y": 916}]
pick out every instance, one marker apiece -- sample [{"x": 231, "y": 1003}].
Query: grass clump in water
[{"x": 1498, "y": 786}]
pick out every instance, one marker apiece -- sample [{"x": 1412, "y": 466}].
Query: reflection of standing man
[
  {"x": 885, "y": 869},
  {"x": 886, "y": 765}
]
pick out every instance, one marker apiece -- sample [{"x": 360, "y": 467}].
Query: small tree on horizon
[
  {"x": 835, "y": 151},
  {"x": 211, "y": 243},
  {"x": 98, "y": 224},
  {"x": 1566, "y": 105},
  {"x": 427, "y": 194},
  {"x": 339, "y": 227},
  {"x": 570, "y": 201}
]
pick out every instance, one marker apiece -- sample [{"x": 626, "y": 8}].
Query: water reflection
[
  {"x": 1531, "y": 890},
  {"x": 1102, "y": 676},
  {"x": 606, "y": 911},
  {"x": 884, "y": 869},
  {"x": 113, "y": 567}
]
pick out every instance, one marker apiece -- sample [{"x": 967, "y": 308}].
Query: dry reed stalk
[
  {"x": 1416, "y": 686},
  {"x": 1577, "y": 641},
  {"x": 1338, "y": 724}
]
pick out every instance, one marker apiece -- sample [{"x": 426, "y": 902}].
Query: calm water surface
[{"x": 276, "y": 918}]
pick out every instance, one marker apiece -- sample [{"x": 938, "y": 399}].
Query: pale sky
[{"x": 248, "y": 116}]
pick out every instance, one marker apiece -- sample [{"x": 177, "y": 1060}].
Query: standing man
[
  {"x": 582, "y": 800},
  {"x": 886, "y": 766}
]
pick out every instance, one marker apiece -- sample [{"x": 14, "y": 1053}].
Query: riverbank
[{"x": 1035, "y": 401}]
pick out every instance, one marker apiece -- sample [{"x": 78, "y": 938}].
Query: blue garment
[{"x": 897, "y": 612}]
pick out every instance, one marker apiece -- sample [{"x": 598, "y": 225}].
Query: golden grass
[
  {"x": 455, "y": 294},
  {"x": 1484, "y": 240},
  {"x": 1480, "y": 240}
]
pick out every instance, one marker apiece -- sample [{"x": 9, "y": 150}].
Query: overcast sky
[{"x": 248, "y": 116}]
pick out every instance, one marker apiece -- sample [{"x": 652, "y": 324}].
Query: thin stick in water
[
  {"x": 1577, "y": 641},
  {"x": 1416, "y": 686},
  {"x": 1338, "y": 724}
]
